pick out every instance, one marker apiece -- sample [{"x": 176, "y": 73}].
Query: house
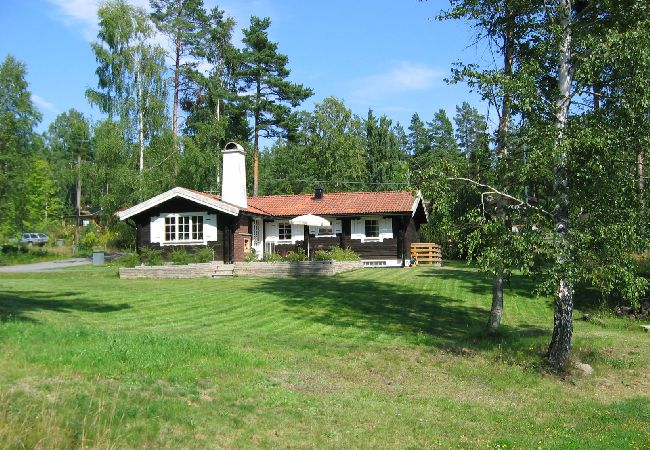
[{"x": 379, "y": 226}]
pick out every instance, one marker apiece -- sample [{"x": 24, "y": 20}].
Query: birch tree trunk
[
  {"x": 559, "y": 349},
  {"x": 496, "y": 311},
  {"x": 138, "y": 78}
]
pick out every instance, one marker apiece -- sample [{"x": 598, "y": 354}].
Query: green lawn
[{"x": 391, "y": 358}]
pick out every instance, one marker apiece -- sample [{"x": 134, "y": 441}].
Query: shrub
[
  {"x": 297, "y": 256},
  {"x": 14, "y": 249},
  {"x": 87, "y": 241},
  {"x": 180, "y": 257},
  {"x": 272, "y": 257},
  {"x": 322, "y": 255},
  {"x": 251, "y": 257},
  {"x": 204, "y": 255},
  {"x": 151, "y": 257},
  {"x": 642, "y": 263},
  {"x": 347, "y": 254},
  {"x": 128, "y": 260}
]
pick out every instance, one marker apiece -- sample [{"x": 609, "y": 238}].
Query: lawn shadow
[
  {"x": 480, "y": 283},
  {"x": 16, "y": 307},
  {"x": 397, "y": 309}
]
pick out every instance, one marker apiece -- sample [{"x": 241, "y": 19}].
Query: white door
[{"x": 258, "y": 244}]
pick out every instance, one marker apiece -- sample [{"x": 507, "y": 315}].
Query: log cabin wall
[{"x": 179, "y": 205}]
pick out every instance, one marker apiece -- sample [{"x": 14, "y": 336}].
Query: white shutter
[
  {"x": 337, "y": 226},
  {"x": 271, "y": 231},
  {"x": 386, "y": 228},
  {"x": 157, "y": 229},
  {"x": 297, "y": 233},
  {"x": 358, "y": 229},
  {"x": 210, "y": 227},
  {"x": 313, "y": 230}
]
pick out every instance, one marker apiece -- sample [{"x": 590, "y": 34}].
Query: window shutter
[
  {"x": 386, "y": 228},
  {"x": 157, "y": 229},
  {"x": 358, "y": 231},
  {"x": 297, "y": 233},
  {"x": 210, "y": 227},
  {"x": 271, "y": 231},
  {"x": 313, "y": 230},
  {"x": 337, "y": 226}
]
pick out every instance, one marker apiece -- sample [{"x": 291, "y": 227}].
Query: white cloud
[
  {"x": 402, "y": 78},
  {"x": 44, "y": 104},
  {"x": 82, "y": 14}
]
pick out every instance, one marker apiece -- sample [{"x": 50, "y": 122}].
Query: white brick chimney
[{"x": 233, "y": 184}]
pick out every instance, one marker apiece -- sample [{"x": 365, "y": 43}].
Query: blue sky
[{"x": 391, "y": 56}]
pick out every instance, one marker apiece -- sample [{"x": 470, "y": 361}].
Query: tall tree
[
  {"x": 418, "y": 141},
  {"x": 473, "y": 139},
  {"x": 182, "y": 21},
  {"x": 335, "y": 145},
  {"x": 130, "y": 73},
  {"x": 18, "y": 117},
  {"x": 385, "y": 163},
  {"x": 42, "y": 203},
  {"x": 68, "y": 140},
  {"x": 267, "y": 95}
]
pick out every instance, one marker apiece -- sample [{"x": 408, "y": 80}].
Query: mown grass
[{"x": 374, "y": 358}]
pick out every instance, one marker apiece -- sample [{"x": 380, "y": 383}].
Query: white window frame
[
  {"x": 176, "y": 240},
  {"x": 362, "y": 228},
  {"x": 285, "y": 240}
]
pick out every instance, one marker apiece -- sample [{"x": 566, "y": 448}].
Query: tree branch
[{"x": 493, "y": 190}]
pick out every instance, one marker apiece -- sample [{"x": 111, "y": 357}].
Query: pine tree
[
  {"x": 267, "y": 95},
  {"x": 182, "y": 21}
]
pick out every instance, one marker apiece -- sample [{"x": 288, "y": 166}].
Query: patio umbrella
[{"x": 312, "y": 221}]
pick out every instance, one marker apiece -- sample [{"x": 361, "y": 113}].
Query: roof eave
[{"x": 177, "y": 192}]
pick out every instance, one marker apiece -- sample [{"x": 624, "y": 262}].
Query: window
[
  {"x": 180, "y": 227},
  {"x": 197, "y": 228},
  {"x": 284, "y": 231},
  {"x": 324, "y": 231},
  {"x": 372, "y": 228},
  {"x": 184, "y": 228},
  {"x": 170, "y": 228}
]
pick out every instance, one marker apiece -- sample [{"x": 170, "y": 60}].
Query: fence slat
[{"x": 426, "y": 253}]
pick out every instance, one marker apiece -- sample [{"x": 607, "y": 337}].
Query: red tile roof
[
  {"x": 333, "y": 203},
  {"x": 250, "y": 208}
]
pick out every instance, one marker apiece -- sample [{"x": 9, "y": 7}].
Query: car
[{"x": 34, "y": 239}]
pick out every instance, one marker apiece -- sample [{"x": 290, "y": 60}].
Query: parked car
[{"x": 34, "y": 239}]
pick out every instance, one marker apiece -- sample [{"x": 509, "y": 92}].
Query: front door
[{"x": 258, "y": 244}]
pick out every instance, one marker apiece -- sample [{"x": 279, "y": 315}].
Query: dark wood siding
[
  {"x": 411, "y": 236},
  {"x": 178, "y": 205}
]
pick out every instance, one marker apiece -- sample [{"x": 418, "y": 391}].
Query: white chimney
[{"x": 233, "y": 184}]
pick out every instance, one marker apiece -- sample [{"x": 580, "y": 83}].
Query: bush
[
  {"x": 272, "y": 257},
  {"x": 251, "y": 257},
  {"x": 129, "y": 260},
  {"x": 14, "y": 249},
  {"x": 297, "y": 256},
  {"x": 88, "y": 241},
  {"x": 204, "y": 255},
  {"x": 340, "y": 254},
  {"x": 322, "y": 255},
  {"x": 180, "y": 257},
  {"x": 151, "y": 257},
  {"x": 642, "y": 263}
]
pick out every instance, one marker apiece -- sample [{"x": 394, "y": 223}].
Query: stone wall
[
  {"x": 246, "y": 269},
  {"x": 203, "y": 270},
  {"x": 292, "y": 269}
]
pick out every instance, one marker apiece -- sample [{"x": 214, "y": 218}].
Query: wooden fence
[{"x": 426, "y": 254}]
